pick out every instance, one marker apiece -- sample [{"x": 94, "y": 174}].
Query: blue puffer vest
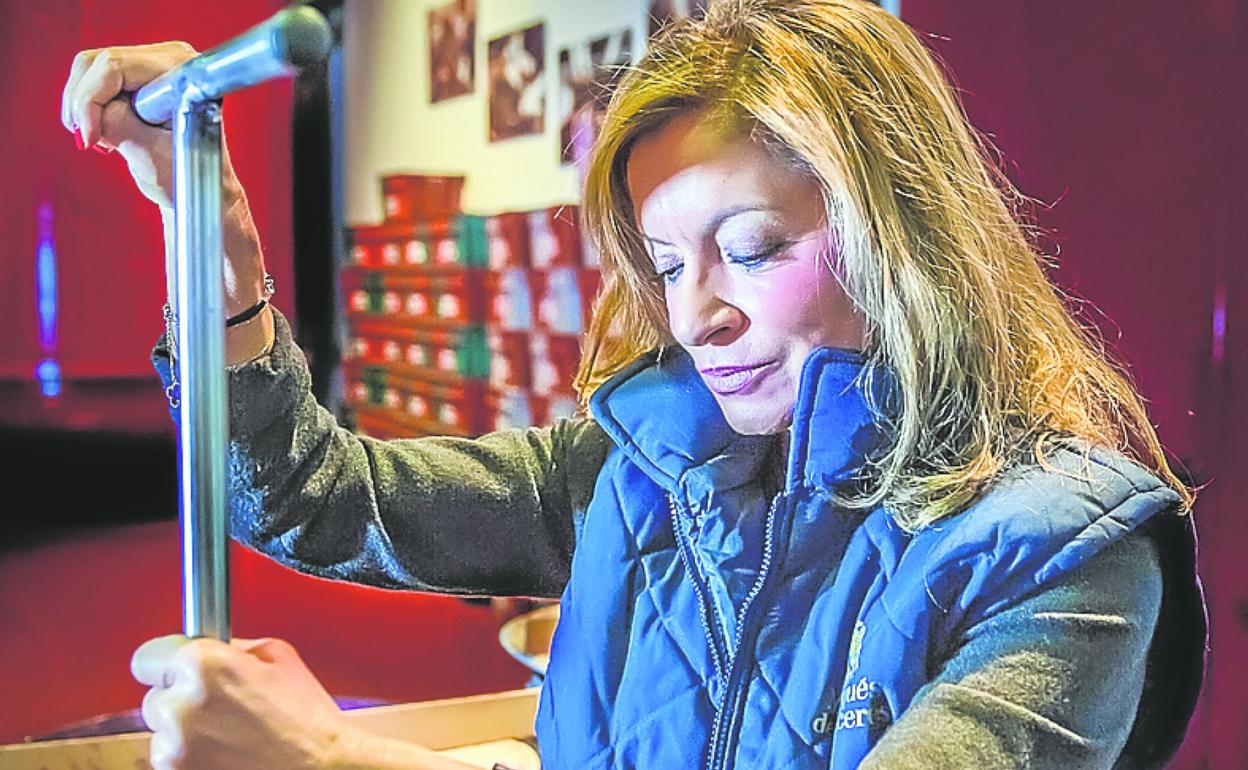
[{"x": 709, "y": 624}]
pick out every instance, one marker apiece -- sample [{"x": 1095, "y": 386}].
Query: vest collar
[{"x": 661, "y": 414}]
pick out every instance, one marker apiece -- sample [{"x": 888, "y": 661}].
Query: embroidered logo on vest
[
  {"x": 862, "y": 703},
  {"x": 855, "y": 649}
]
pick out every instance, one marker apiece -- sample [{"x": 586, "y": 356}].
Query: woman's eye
[
  {"x": 750, "y": 260},
  {"x": 753, "y": 259},
  {"x": 670, "y": 275}
]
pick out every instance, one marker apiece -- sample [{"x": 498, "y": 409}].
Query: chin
[{"x": 752, "y": 422}]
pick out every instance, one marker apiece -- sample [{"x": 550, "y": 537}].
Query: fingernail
[
  {"x": 102, "y": 149},
  {"x": 78, "y": 140}
]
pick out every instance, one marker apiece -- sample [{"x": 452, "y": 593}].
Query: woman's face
[{"x": 742, "y": 246}]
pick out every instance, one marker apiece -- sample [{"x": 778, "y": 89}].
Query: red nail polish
[
  {"x": 102, "y": 150},
  {"x": 78, "y": 140}
]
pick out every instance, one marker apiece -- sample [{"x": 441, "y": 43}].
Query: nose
[{"x": 698, "y": 312}]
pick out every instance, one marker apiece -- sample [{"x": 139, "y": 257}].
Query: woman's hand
[
  {"x": 252, "y": 704},
  {"x": 95, "y": 107},
  {"x": 246, "y": 704}
]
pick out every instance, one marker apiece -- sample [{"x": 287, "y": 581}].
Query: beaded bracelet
[
  {"x": 254, "y": 310},
  {"x": 247, "y": 314}
]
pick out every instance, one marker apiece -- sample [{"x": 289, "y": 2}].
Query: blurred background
[{"x": 417, "y": 202}]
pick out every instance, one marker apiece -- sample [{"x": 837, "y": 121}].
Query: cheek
[{"x": 799, "y": 300}]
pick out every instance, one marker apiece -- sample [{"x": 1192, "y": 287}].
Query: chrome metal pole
[
  {"x": 190, "y": 94},
  {"x": 287, "y": 41},
  {"x": 203, "y": 429}
]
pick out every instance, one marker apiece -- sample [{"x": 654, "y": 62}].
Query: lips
[{"x": 735, "y": 380}]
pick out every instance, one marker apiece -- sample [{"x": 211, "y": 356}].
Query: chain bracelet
[{"x": 173, "y": 392}]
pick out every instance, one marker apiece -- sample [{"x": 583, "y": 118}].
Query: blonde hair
[{"x": 990, "y": 367}]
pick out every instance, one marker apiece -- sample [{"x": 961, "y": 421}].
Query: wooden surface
[
  {"x": 527, "y": 637},
  {"x": 479, "y": 729}
]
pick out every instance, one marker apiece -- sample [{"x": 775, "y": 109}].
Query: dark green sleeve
[
  {"x": 1052, "y": 682},
  {"x": 496, "y": 515}
]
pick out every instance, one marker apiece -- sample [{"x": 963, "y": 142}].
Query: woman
[{"x": 854, "y": 489}]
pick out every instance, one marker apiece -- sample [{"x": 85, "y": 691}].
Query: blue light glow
[
  {"x": 48, "y": 372},
  {"x": 1219, "y": 324},
  {"x": 45, "y": 271}
]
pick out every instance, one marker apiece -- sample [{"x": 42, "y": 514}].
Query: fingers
[
  {"x": 194, "y": 684},
  {"x": 153, "y": 663},
  {"x": 176, "y": 660},
  {"x": 79, "y": 66},
  {"x": 157, "y": 663},
  {"x": 165, "y": 751},
  {"x": 239, "y": 705},
  {"x": 97, "y": 76},
  {"x": 118, "y": 125},
  {"x": 161, "y": 710},
  {"x": 102, "y": 81}
]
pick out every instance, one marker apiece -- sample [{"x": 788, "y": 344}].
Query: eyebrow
[{"x": 719, "y": 219}]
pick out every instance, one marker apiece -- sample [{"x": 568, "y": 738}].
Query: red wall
[
  {"x": 108, "y": 237},
  {"x": 73, "y": 611},
  {"x": 1128, "y": 121}
]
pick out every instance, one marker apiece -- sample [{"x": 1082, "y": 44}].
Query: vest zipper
[
  {"x": 729, "y": 671},
  {"x": 718, "y": 658}
]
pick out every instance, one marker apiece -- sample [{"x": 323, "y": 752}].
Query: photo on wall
[
  {"x": 664, "y": 11},
  {"x": 517, "y": 78},
  {"x": 587, "y": 73},
  {"x": 452, "y": 59}
]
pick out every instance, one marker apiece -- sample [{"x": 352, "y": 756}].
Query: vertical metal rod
[{"x": 203, "y": 429}]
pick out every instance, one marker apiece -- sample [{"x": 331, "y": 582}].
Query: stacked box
[
  {"x": 421, "y": 299},
  {"x": 415, "y": 405},
  {"x": 418, "y": 363},
  {"x": 540, "y": 293},
  {"x": 420, "y": 197},
  {"x": 462, "y": 324}
]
